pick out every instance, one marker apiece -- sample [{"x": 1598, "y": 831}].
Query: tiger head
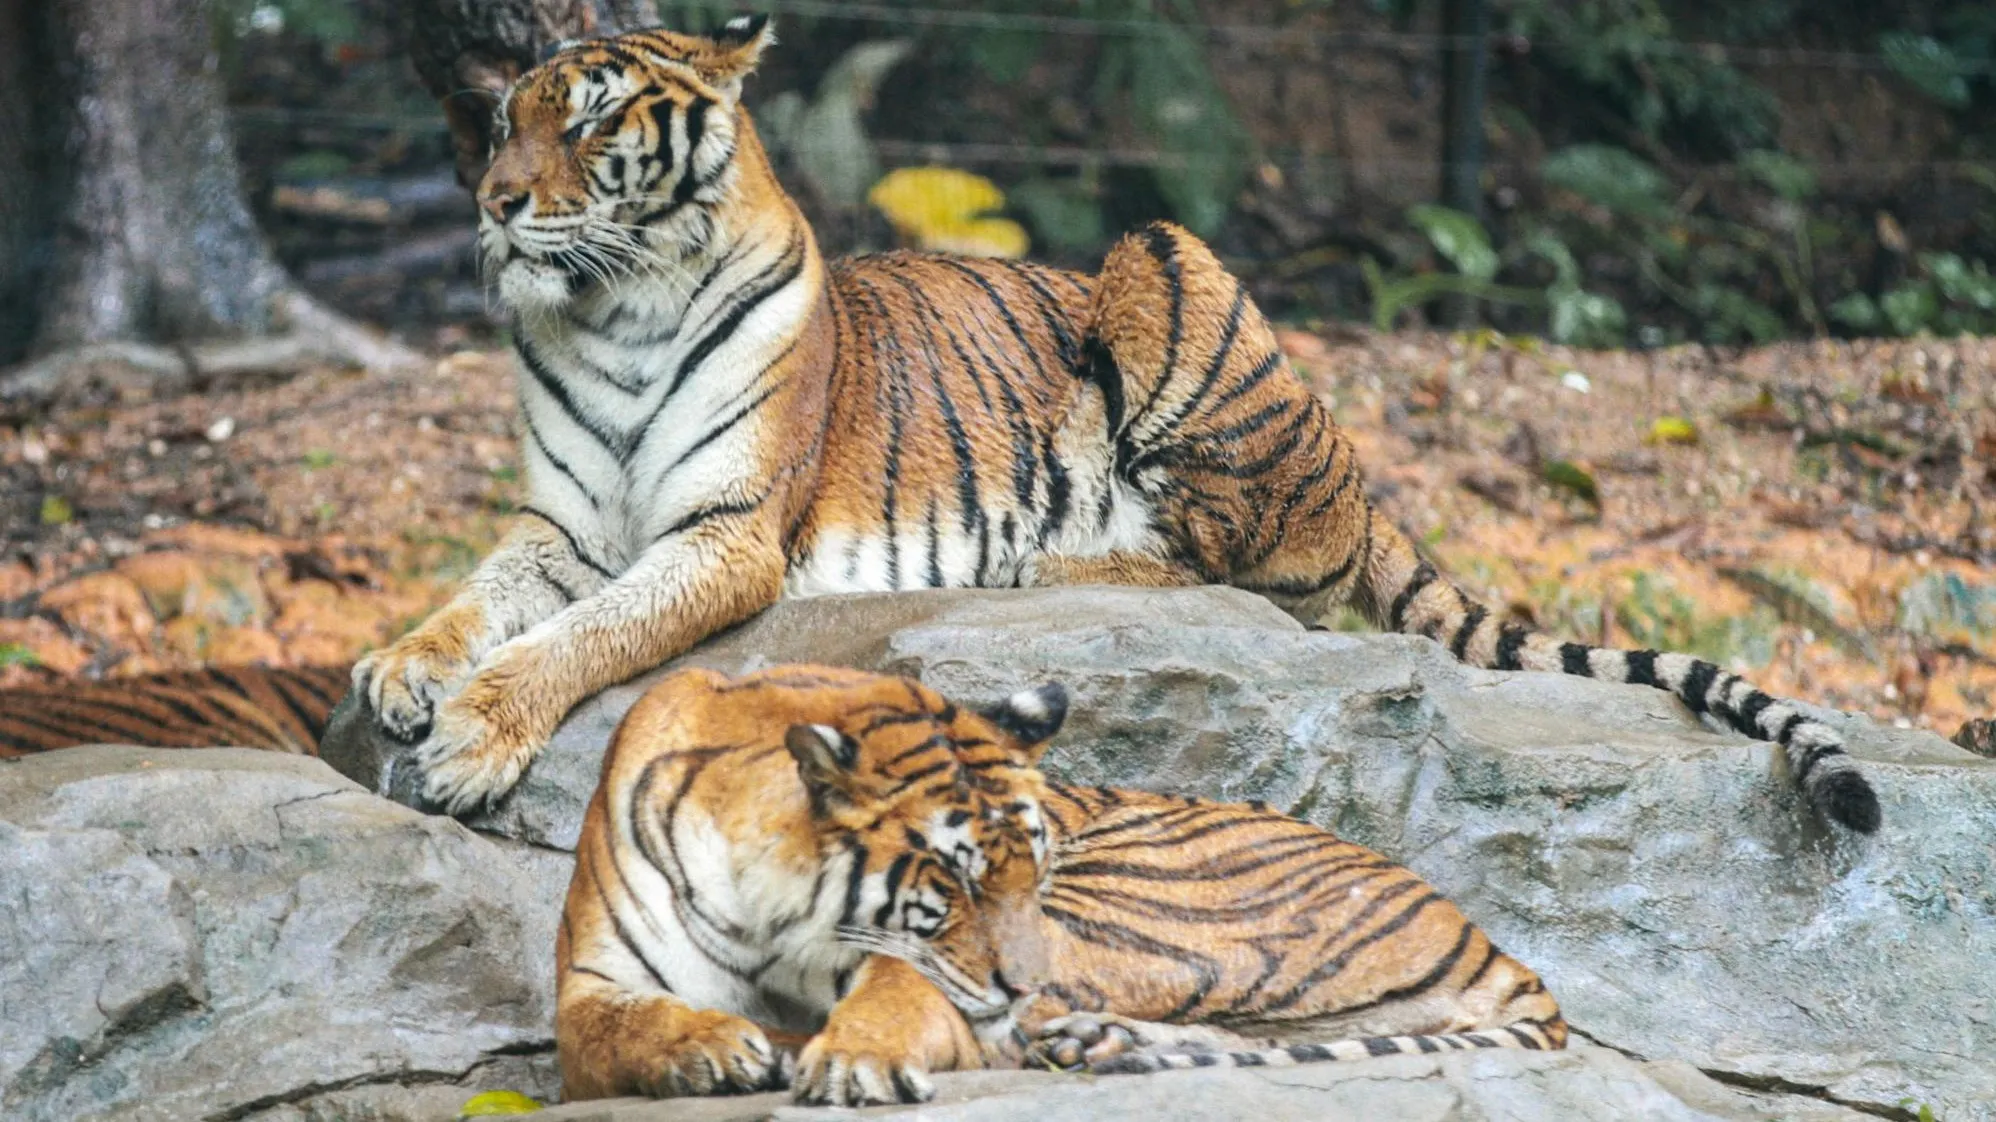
[
  {"x": 614, "y": 157},
  {"x": 940, "y": 809}
]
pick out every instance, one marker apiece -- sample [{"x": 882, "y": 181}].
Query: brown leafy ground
[{"x": 1810, "y": 513}]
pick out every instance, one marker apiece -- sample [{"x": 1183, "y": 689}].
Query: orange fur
[
  {"x": 716, "y": 417},
  {"x": 753, "y": 832}
]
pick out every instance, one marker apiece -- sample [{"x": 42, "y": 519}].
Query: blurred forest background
[
  {"x": 1711, "y": 278},
  {"x": 1651, "y": 171}
]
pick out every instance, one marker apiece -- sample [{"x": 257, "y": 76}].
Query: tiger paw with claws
[
  {"x": 840, "y": 1072},
  {"x": 720, "y": 1055}
]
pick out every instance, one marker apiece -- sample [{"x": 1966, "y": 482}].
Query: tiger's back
[
  {"x": 279, "y": 710},
  {"x": 1184, "y": 912}
]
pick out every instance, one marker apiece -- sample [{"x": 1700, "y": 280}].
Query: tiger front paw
[
  {"x": 720, "y": 1054},
  {"x": 404, "y": 684},
  {"x": 840, "y": 1072},
  {"x": 482, "y": 739}
]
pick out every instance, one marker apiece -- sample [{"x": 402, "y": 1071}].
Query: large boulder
[
  {"x": 248, "y": 936},
  {"x": 1581, "y": 1083},
  {"x": 1665, "y": 878}
]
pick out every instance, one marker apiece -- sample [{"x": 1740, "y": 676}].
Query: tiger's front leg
[
  {"x": 532, "y": 574},
  {"x": 683, "y": 588},
  {"x": 883, "y": 1039}
]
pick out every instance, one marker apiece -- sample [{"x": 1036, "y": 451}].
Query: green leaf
[
  {"x": 319, "y": 458},
  {"x": 1787, "y": 176},
  {"x": 1927, "y": 65},
  {"x": 1910, "y": 308},
  {"x": 1858, "y": 312},
  {"x": 1959, "y": 281},
  {"x": 316, "y": 164},
  {"x": 14, "y": 654},
  {"x": 1180, "y": 107},
  {"x": 1614, "y": 177},
  {"x": 1457, "y": 237},
  {"x": 1063, "y": 213},
  {"x": 56, "y": 510},
  {"x": 1572, "y": 477},
  {"x": 1004, "y": 55}
]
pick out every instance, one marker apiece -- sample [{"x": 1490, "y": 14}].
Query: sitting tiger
[
  {"x": 714, "y": 417},
  {"x": 843, "y": 881}
]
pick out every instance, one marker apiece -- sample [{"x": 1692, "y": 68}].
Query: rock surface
[
  {"x": 1665, "y": 879},
  {"x": 1582, "y": 1083},
  {"x": 235, "y": 935}
]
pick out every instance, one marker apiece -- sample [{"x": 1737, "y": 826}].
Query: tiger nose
[
  {"x": 503, "y": 205},
  {"x": 1012, "y": 987}
]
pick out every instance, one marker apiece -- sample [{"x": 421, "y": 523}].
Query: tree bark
[
  {"x": 154, "y": 242},
  {"x": 27, "y": 163}
]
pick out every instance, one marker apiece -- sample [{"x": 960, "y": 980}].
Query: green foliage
[
  {"x": 316, "y": 164},
  {"x": 1950, "y": 296},
  {"x": 1170, "y": 91},
  {"x": 328, "y": 21},
  {"x": 1573, "y": 315},
  {"x": 1785, "y": 175},
  {"x": 1625, "y": 52},
  {"x": 1658, "y": 616},
  {"x": 1569, "y": 476},
  {"x": 1613, "y": 177},
  {"x": 1928, "y": 65},
  {"x": 14, "y": 654},
  {"x": 1459, "y": 238},
  {"x": 1064, "y": 213},
  {"x": 1924, "y": 1113}
]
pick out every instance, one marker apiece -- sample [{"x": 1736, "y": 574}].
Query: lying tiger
[
  {"x": 715, "y": 417},
  {"x": 845, "y": 882}
]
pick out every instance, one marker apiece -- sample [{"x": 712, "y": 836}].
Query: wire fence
[{"x": 1333, "y": 130}]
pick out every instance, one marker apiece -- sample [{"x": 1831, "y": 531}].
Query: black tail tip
[{"x": 1849, "y": 799}]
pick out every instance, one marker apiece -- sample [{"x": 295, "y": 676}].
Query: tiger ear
[
  {"x": 1032, "y": 716},
  {"x": 825, "y": 759},
  {"x": 734, "y": 52}
]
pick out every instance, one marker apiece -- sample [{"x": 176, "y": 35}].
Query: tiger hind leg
[{"x": 1106, "y": 1044}]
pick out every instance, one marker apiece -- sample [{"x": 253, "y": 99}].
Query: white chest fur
[
  {"x": 737, "y": 931},
  {"x": 639, "y": 400}
]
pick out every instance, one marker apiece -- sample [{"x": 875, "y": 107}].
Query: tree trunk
[
  {"x": 27, "y": 163},
  {"x": 466, "y": 51},
  {"x": 156, "y": 240}
]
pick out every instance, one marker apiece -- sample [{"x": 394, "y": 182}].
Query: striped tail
[
  {"x": 1534, "y": 1035},
  {"x": 1401, "y": 591},
  {"x": 225, "y": 706}
]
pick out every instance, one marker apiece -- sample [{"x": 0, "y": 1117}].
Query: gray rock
[
  {"x": 1581, "y": 1083},
  {"x": 1665, "y": 878},
  {"x": 245, "y": 935}
]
